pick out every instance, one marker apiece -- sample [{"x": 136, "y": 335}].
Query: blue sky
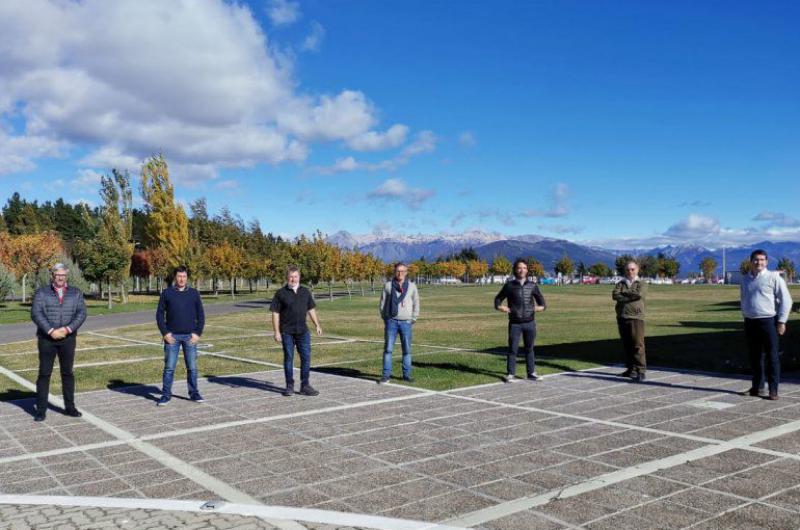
[{"x": 620, "y": 123}]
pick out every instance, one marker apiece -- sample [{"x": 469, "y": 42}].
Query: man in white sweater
[
  {"x": 766, "y": 304},
  {"x": 399, "y": 309}
]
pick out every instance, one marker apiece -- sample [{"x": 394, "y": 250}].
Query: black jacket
[
  {"x": 47, "y": 313},
  {"x": 521, "y": 299}
]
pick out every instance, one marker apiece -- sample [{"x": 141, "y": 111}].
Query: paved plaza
[{"x": 574, "y": 450}]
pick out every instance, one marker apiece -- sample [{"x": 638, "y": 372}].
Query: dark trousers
[
  {"x": 528, "y": 332},
  {"x": 631, "y": 331},
  {"x": 302, "y": 341},
  {"x": 762, "y": 343},
  {"x": 48, "y": 350}
]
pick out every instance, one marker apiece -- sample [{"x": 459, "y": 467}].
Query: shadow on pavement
[
  {"x": 246, "y": 382},
  {"x": 134, "y": 389}
]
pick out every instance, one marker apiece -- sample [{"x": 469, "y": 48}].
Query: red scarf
[{"x": 60, "y": 293}]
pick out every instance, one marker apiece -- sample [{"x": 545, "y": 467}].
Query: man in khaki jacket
[{"x": 629, "y": 295}]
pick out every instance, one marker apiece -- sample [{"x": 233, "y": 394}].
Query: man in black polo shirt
[{"x": 289, "y": 307}]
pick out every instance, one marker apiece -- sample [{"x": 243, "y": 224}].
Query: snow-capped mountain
[{"x": 547, "y": 250}]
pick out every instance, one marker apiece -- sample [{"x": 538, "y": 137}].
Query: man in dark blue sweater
[{"x": 180, "y": 319}]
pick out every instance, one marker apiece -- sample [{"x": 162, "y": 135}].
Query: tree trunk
[
  {"x": 233, "y": 289},
  {"x": 361, "y": 284},
  {"x": 109, "y": 293},
  {"x": 349, "y": 296},
  {"x": 123, "y": 292},
  {"x": 372, "y": 284},
  {"x": 330, "y": 289},
  {"x": 149, "y": 283}
]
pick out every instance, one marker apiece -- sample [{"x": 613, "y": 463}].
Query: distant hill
[{"x": 548, "y": 250}]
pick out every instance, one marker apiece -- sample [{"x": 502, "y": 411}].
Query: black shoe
[
  {"x": 288, "y": 391},
  {"x": 383, "y": 380},
  {"x": 409, "y": 379},
  {"x": 626, "y": 373},
  {"x": 39, "y": 415},
  {"x": 75, "y": 413},
  {"x": 638, "y": 377},
  {"x": 773, "y": 397},
  {"x": 308, "y": 390}
]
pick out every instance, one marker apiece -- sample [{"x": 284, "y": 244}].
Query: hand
[
  {"x": 538, "y": 308},
  {"x": 319, "y": 330},
  {"x": 58, "y": 334},
  {"x": 195, "y": 338},
  {"x": 169, "y": 339},
  {"x": 781, "y": 327},
  {"x": 278, "y": 337},
  {"x": 504, "y": 309}
]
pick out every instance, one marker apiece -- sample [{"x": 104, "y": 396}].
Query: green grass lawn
[{"x": 459, "y": 339}]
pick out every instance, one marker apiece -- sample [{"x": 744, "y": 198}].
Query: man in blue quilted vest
[{"x": 58, "y": 310}]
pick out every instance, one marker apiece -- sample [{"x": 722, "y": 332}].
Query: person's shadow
[
  {"x": 238, "y": 381},
  {"x": 150, "y": 392}
]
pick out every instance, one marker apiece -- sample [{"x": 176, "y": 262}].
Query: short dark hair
[
  {"x": 758, "y": 252},
  {"x": 291, "y": 268},
  {"x": 180, "y": 268},
  {"x": 400, "y": 264},
  {"x": 518, "y": 261}
]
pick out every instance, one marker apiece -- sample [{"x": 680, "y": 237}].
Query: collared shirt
[
  {"x": 292, "y": 306},
  {"x": 765, "y": 295},
  {"x": 630, "y": 282}
]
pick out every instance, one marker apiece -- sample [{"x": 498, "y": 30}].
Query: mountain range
[{"x": 548, "y": 250}]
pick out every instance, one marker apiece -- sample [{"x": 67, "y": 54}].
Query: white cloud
[
  {"x": 695, "y": 227},
  {"x": 559, "y": 207},
  {"x": 313, "y": 41},
  {"x": 377, "y": 141},
  {"x": 424, "y": 142},
  {"x": 467, "y": 139},
  {"x": 87, "y": 179},
  {"x": 283, "y": 12},
  {"x": 777, "y": 219},
  {"x": 228, "y": 184},
  {"x": 18, "y": 152},
  {"x": 397, "y": 190},
  {"x": 562, "y": 229},
  {"x": 197, "y": 81}
]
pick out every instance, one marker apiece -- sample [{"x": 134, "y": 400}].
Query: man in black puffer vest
[
  {"x": 58, "y": 310},
  {"x": 524, "y": 301}
]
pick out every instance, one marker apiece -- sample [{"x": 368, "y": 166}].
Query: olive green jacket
[{"x": 630, "y": 300}]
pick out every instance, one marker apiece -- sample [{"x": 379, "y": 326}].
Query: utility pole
[{"x": 724, "y": 268}]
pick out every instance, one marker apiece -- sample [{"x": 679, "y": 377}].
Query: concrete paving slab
[{"x": 576, "y": 450}]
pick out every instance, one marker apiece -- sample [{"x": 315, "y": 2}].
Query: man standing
[
  {"x": 289, "y": 307},
  {"x": 58, "y": 310},
  {"x": 399, "y": 309},
  {"x": 180, "y": 318},
  {"x": 629, "y": 294},
  {"x": 766, "y": 304},
  {"x": 524, "y": 300}
]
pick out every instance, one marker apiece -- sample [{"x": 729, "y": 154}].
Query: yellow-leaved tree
[{"x": 167, "y": 226}]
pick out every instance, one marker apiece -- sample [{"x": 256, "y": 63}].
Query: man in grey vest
[
  {"x": 524, "y": 300},
  {"x": 399, "y": 309},
  {"x": 58, "y": 310}
]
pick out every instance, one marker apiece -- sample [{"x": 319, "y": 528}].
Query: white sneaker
[{"x": 510, "y": 378}]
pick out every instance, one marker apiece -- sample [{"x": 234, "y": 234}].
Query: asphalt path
[{"x": 27, "y": 330}]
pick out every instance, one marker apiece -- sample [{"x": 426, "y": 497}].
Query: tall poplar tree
[{"x": 167, "y": 226}]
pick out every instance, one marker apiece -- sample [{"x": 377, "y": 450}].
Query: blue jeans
[
  {"x": 171, "y": 352},
  {"x": 302, "y": 341},
  {"x": 392, "y": 327}
]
